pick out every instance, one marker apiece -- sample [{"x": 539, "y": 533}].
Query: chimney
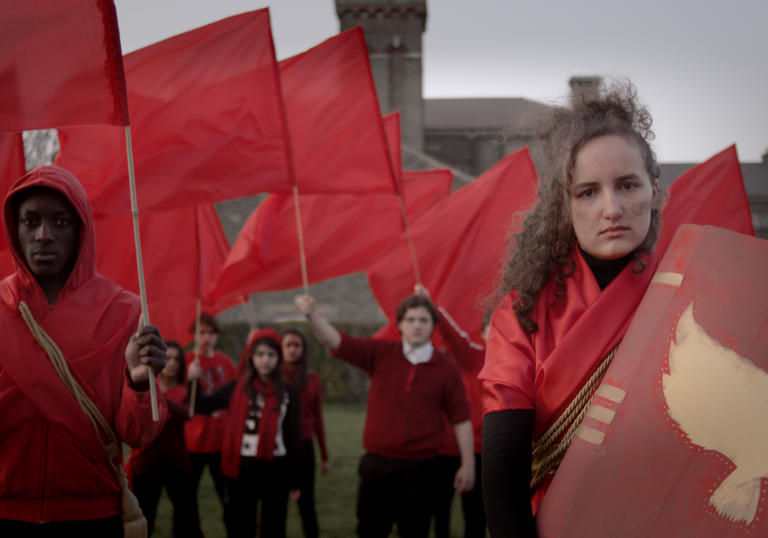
[{"x": 585, "y": 88}]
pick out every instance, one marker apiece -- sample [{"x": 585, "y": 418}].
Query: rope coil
[
  {"x": 547, "y": 452},
  {"x": 134, "y": 523}
]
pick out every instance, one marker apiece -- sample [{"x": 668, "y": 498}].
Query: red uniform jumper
[
  {"x": 469, "y": 357},
  {"x": 311, "y": 425},
  {"x": 52, "y": 465},
  {"x": 404, "y": 431},
  {"x": 312, "y": 411},
  {"x": 204, "y": 434},
  {"x": 544, "y": 370}
]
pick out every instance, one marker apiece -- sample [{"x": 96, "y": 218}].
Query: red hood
[{"x": 85, "y": 265}]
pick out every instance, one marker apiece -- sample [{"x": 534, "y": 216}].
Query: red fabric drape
[
  {"x": 60, "y": 64},
  {"x": 459, "y": 243},
  {"x": 334, "y": 121},
  {"x": 179, "y": 266},
  {"x": 342, "y": 234},
  {"x": 12, "y": 165},
  {"x": 206, "y": 120},
  {"x": 709, "y": 193}
]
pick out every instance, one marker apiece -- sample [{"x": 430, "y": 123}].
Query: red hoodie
[{"x": 52, "y": 465}]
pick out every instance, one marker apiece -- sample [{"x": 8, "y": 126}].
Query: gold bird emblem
[{"x": 720, "y": 401}]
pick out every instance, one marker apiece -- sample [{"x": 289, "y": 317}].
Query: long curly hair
[{"x": 539, "y": 250}]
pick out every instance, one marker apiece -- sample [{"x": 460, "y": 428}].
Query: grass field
[{"x": 335, "y": 492}]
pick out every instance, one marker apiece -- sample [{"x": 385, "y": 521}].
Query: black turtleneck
[{"x": 605, "y": 270}]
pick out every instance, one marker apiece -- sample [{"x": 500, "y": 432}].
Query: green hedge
[{"x": 341, "y": 382}]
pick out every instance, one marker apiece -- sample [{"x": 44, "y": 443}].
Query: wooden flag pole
[
  {"x": 249, "y": 313},
  {"x": 194, "y": 382},
  {"x": 416, "y": 272},
  {"x": 302, "y": 255},
  {"x": 140, "y": 262}
]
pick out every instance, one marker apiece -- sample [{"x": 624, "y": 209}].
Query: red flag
[
  {"x": 12, "y": 167},
  {"x": 459, "y": 243},
  {"x": 709, "y": 193},
  {"x": 60, "y": 64},
  {"x": 337, "y": 135},
  {"x": 342, "y": 233},
  {"x": 422, "y": 189},
  {"x": 206, "y": 119},
  {"x": 179, "y": 266}
]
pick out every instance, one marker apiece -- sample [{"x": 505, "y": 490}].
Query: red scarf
[
  {"x": 270, "y": 417},
  {"x": 235, "y": 425}
]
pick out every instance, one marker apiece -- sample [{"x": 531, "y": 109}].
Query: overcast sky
[{"x": 701, "y": 66}]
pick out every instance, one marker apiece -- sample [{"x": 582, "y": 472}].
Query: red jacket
[
  {"x": 52, "y": 465},
  {"x": 469, "y": 358}
]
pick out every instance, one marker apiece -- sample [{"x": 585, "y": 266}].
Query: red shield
[{"x": 675, "y": 442}]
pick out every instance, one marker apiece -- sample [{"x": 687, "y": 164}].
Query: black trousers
[
  {"x": 181, "y": 491},
  {"x": 307, "y": 486},
  {"x": 472, "y": 506},
  {"x": 213, "y": 461},
  {"x": 262, "y": 483},
  {"x": 395, "y": 491},
  {"x": 446, "y": 473},
  {"x": 110, "y": 527},
  {"x": 471, "y": 502}
]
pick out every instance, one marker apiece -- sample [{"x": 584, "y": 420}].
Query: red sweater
[
  {"x": 52, "y": 465},
  {"x": 311, "y": 410},
  {"x": 204, "y": 433},
  {"x": 469, "y": 357},
  {"x": 407, "y": 404}
]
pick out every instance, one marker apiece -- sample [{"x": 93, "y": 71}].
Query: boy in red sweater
[
  {"x": 414, "y": 389},
  {"x": 204, "y": 433}
]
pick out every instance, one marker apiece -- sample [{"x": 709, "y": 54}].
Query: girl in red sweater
[
  {"x": 311, "y": 390},
  {"x": 262, "y": 439}
]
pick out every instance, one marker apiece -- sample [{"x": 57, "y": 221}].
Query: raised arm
[
  {"x": 324, "y": 331},
  {"x": 457, "y": 342}
]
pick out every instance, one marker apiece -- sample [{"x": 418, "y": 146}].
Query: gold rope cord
[
  {"x": 546, "y": 451},
  {"x": 131, "y": 513}
]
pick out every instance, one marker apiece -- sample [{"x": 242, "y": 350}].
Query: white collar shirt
[{"x": 418, "y": 355}]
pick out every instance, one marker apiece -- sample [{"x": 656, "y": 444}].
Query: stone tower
[{"x": 393, "y": 30}]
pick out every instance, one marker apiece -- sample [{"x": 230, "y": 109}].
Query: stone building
[{"x": 467, "y": 135}]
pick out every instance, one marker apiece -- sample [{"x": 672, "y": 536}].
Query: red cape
[{"x": 544, "y": 370}]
